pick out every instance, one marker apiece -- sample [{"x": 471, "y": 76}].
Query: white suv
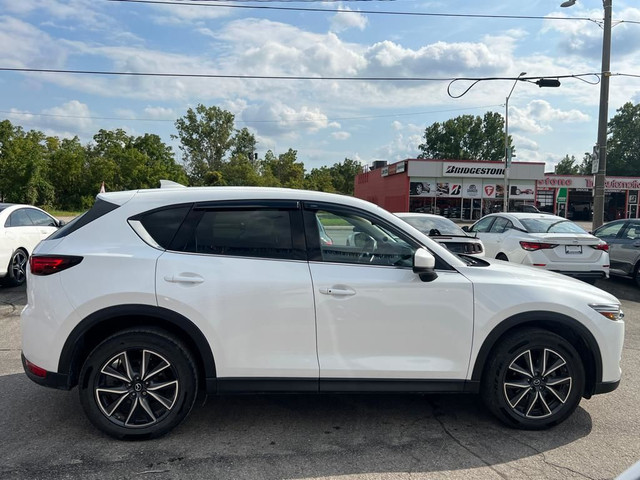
[{"x": 154, "y": 295}]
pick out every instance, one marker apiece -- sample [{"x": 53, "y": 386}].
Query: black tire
[
  {"x": 517, "y": 390},
  {"x": 636, "y": 274},
  {"x": 17, "y": 269},
  {"x": 138, "y": 383},
  {"x": 502, "y": 256}
]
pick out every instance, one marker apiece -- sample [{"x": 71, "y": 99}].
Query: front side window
[
  {"x": 19, "y": 218},
  {"x": 262, "y": 232},
  {"x": 356, "y": 239},
  {"x": 483, "y": 225}
]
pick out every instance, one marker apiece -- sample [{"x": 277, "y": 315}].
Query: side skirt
[{"x": 223, "y": 386}]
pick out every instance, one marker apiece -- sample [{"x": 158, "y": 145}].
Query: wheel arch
[
  {"x": 103, "y": 323},
  {"x": 568, "y": 328}
]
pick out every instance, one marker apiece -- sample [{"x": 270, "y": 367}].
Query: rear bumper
[
  {"x": 605, "y": 387},
  {"x": 50, "y": 379}
]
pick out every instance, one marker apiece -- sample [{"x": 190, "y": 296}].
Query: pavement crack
[
  {"x": 436, "y": 415},
  {"x": 547, "y": 461}
]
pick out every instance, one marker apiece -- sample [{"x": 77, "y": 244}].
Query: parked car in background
[
  {"x": 155, "y": 295},
  {"x": 623, "y": 238},
  {"x": 444, "y": 231},
  {"x": 525, "y": 207},
  {"x": 545, "y": 241},
  {"x": 21, "y": 229}
]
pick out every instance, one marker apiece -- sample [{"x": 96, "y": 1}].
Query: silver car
[{"x": 623, "y": 237}]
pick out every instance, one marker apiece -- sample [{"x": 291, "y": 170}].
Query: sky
[{"x": 324, "y": 119}]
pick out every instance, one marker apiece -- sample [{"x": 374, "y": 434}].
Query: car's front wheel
[
  {"x": 534, "y": 380},
  {"x": 138, "y": 383}
]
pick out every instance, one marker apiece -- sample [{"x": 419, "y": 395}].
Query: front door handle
[
  {"x": 338, "y": 292},
  {"x": 184, "y": 278}
]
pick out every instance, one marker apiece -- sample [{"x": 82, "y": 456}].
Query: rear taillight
[
  {"x": 602, "y": 246},
  {"x": 36, "y": 370},
  {"x": 49, "y": 264},
  {"x": 533, "y": 246}
]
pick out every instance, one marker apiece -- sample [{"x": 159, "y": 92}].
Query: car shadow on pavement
[
  {"x": 621, "y": 287},
  {"x": 270, "y": 436}
]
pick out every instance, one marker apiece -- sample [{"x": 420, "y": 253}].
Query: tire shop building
[{"x": 467, "y": 190}]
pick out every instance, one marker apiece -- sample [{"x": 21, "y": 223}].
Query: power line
[
  {"x": 216, "y": 3},
  {"x": 281, "y": 77},
  {"x": 362, "y": 117}
]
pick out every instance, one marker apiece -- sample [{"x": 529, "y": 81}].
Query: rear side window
[
  {"x": 263, "y": 232},
  {"x": 162, "y": 225},
  {"x": 100, "y": 208},
  {"x": 19, "y": 218}
]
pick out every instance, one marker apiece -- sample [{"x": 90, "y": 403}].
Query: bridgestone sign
[{"x": 465, "y": 170}]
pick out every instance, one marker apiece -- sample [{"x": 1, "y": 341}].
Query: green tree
[
  {"x": 23, "y": 166},
  {"x": 466, "y": 137},
  {"x": 344, "y": 175},
  {"x": 319, "y": 179},
  {"x": 585, "y": 166},
  {"x": 284, "y": 170},
  {"x": 567, "y": 166},
  {"x": 623, "y": 145},
  {"x": 66, "y": 168},
  {"x": 206, "y": 135}
]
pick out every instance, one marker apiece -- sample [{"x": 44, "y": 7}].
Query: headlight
[{"x": 612, "y": 312}]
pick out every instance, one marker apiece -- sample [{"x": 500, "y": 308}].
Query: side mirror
[
  {"x": 424, "y": 265},
  {"x": 61, "y": 223}
]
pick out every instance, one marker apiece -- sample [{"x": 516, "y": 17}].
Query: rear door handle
[
  {"x": 338, "y": 292},
  {"x": 183, "y": 278}
]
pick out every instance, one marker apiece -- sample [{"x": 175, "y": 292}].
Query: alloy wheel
[
  {"x": 136, "y": 388},
  {"x": 537, "y": 383},
  {"x": 19, "y": 267}
]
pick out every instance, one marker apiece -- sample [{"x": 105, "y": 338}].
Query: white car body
[
  {"x": 22, "y": 227},
  {"x": 444, "y": 231},
  {"x": 572, "y": 251},
  {"x": 297, "y": 325}
]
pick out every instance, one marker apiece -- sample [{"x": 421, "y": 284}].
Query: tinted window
[
  {"x": 162, "y": 225},
  {"x": 100, "y": 208},
  {"x": 427, "y": 225},
  {"x": 40, "y": 218},
  {"x": 19, "y": 218},
  {"x": 248, "y": 233},
  {"x": 632, "y": 232}
]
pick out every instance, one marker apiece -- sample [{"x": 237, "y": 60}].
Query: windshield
[
  {"x": 442, "y": 226},
  {"x": 550, "y": 225}
]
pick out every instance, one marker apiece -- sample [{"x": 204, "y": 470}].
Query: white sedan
[
  {"x": 544, "y": 241},
  {"x": 21, "y": 229}
]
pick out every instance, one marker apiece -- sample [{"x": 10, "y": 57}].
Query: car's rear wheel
[
  {"x": 636, "y": 274},
  {"x": 17, "y": 269},
  {"x": 138, "y": 383},
  {"x": 534, "y": 380}
]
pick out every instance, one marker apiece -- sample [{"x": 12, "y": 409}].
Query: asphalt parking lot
[{"x": 45, "y": 435}]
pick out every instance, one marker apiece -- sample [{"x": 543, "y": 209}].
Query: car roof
[
  {"x": 420, "y": 214},
  {"x": 521, "y": 215}
]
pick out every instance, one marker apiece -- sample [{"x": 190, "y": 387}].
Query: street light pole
[
  {"x": 603, "y": 116},
  {"x": 505, "y": 194}
]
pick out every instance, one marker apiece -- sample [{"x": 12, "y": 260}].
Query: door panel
[
  {"x": 391, "y": 324},
  {"x": 257, "y": 314}
]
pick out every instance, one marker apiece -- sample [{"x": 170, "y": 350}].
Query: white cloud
[
  {"x": 160, "y": 113},
  {"x": 341, "y": 135},
  {"x": 277, "y": 119},
  {"x": 186, "y": 14},
  {"x": 343, "y": 21},
  {"x": 24, "y": 45},
  {"x": 71, "y": 114},
  {"x": 538, "y": 116}
]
